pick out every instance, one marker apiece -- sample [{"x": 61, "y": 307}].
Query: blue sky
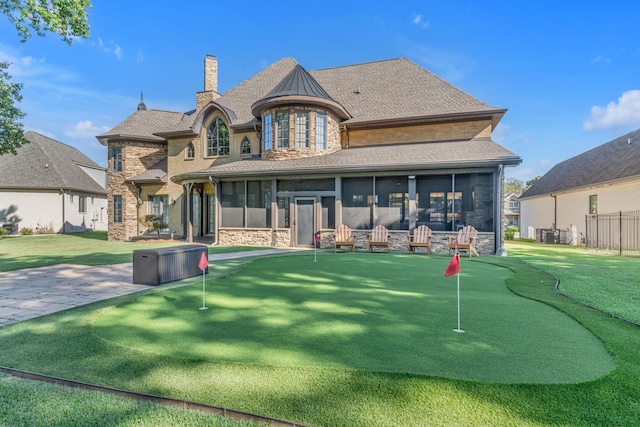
[{"x": 567, "y": 71}]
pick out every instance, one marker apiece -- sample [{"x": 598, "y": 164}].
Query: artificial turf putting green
[{"x": 376, "y": 312}]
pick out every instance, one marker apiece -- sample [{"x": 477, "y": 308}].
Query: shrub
[
  {"x": 510, "y": 231},
  {"x": 26, "y": 231},
  {"x": 153, "y": 222},
  {"x": 3, "y": 231}
]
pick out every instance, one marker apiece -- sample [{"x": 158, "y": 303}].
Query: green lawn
[
  {"x": 399, "y": 316},
  {"x": 288, "y": 305},
  {"x": 88, "y": 248},
  {"x": 608, "y": 282}
]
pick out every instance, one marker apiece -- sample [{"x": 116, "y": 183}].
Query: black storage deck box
[{"x": 163, "y": 265}]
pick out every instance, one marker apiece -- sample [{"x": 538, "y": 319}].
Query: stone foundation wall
[{"x": 398, "y": 241}]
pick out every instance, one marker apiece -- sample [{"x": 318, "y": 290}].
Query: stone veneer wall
[
  {"x": 333, "y": 136},
  {"x": 136, "y": 158},
  {"x": 397, "y": 239}
]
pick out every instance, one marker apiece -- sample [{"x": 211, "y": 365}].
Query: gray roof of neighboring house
[
  {"x": 480, "y": 152},
  {"x": 374, "y": 91},
  {"x": 45, "y": 163},
  {"x": 616, "y": 160}
]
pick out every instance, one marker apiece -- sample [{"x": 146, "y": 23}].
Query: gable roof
[
  {"x": 45, "y": 163},
  {"x": 613, "y": 161},
  {"x": 155, "y": 174},
  {"x": 387, "y": 90}
]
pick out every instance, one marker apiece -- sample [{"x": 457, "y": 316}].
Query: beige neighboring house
[
  {"x": 511, "y": 209},
  {"x": 51, "y": 187},
  {"x": 603, "y": 180},
  {"x": 289, "y": 153}
]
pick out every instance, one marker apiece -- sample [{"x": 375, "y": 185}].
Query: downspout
[
  {"x": 555, "y": 211},
  {"x": 217, "y": 212},
  {"x": 63, "y": 211},
  {"x": 138, "y": 204},
  {"x": 499, "y": 243}
]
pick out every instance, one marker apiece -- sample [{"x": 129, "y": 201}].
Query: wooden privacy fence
[{"x": 617, "y": 233}]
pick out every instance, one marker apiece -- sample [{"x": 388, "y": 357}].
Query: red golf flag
[
  {"x": 453, "y": 267},
  {"x": 204, "y": 262},
  {"x": 316, "y": 237}
]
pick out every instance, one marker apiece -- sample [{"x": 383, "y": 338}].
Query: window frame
[
  {"x": 117, "y": 209},
  {"x": 82, "y": 204},
  {"x": 116, "y": 153},
  {"x": 593, "y": 204},
  {"x": 218, "y": 139},
  {"x": 282, "y": 129},
  {"x": 267, "y": 132},
  {"x": 190, "y": 151},
  {"x": 245, "y": 143},
  {"x": 301, "y": 134},
  {"x": 321, "y": 131}
]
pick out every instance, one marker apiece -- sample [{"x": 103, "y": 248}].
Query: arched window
[
  {"x": 245, "y": 146},
  {"x": 217, "y": 138},
  {"x": 189, "y": 152}
]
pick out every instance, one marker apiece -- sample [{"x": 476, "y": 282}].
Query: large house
[
  {"x": 602, "y": 180},
  {"x": 51, "y": 187},
  {"x": 290, "y": 152}
]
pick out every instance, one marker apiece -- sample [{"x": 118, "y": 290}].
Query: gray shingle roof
[
  {"x": 146, "y": 123},
  {"x": 45, "y": 163},
  {"x": 395, "y": 88},
  {"x": 615, "y": 160},
  {"x": 381, "y": 90},
  {"x": 481, "y": 152},
  {"x": 156, "y": 173}
]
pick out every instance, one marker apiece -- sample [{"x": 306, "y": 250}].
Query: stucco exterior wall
[
  {"x": 573, "y": 206},
  {"x": 42, "y": 211},
  {"x": 422, "y": 133}
]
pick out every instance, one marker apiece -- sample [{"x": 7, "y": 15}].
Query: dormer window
[
  {"x": 217, "y": 138},
  {"x": 245, "y": 146},
  {"x": 189, "y": 152}
]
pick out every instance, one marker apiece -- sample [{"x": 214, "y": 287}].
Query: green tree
[
  {"x": 11, "y": 136},
  {"x": 513, "y": 185},
  {"x": 532, "y": 181},
  {"x": 68, "y": 19}
]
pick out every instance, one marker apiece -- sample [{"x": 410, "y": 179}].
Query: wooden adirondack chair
[
  {"x": 343, "y": 237},
  {"x": 421, "y": 238},
  {"x": 379, "y": 237},
  {"x": 465, "y": 240}
]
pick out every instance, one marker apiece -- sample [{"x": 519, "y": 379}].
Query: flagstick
[
  {"x": 458, "y": 329},
  {"x": 203, "y": 306}
]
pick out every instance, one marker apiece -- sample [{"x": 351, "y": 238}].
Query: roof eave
[
  {"x": 267, "y": 103},
  {"x": 106, "y": 139},
  {"x": 493, "y": 115},
  {"x": 332, "y": 170}
]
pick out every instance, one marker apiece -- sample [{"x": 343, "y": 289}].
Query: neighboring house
[
  {"x": 511, "y": 209},
  {"x": 603, "y": 180},
  {"x": 51, "y": 187},
  {"x": 291, "y": 152}
]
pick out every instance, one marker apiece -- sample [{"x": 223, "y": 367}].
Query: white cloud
[
  {"x": 85, "y": 129},
  {"x": 601, "y": 59},
  {"x": 624, "y": 114},
  {"x": 110, "y": 48},
  {"x": 418, "y": 20}
]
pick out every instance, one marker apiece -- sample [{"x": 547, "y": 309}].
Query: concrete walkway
[{"x": 34, "y": 292}]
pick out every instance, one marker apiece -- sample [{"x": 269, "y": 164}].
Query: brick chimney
[{"x": 210, "y": 92}]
